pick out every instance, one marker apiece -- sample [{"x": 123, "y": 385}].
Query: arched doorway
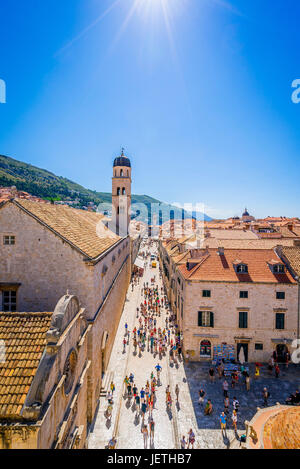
[
  {"x": 103, "y": 352},
  {"x": 281, "y": 351},
  {"x": 243, "y": 346},
  {"x": 205, "y": 349}
]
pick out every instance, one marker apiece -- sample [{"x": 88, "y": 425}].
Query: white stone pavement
[{"x": 125, "y": 425}]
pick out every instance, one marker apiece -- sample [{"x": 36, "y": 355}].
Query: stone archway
[{"x": 104, "y": 351}]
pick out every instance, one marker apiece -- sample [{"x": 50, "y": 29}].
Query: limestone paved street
[{"x": 125, "y": 424}]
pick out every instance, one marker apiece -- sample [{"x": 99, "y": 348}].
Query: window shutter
[
  {"x": 211, "y": 319},
  {"x": 200, "y": 318},
  {"x": 243, "y": 319},
  {"x": 279, "y": 321}
]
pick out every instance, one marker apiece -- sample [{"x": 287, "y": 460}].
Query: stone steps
[{"x": 108, "y": 378}]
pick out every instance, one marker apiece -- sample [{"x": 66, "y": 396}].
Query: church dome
[
  {"x": 122, "y": 161},
  {"x": 246, "y": 213}
]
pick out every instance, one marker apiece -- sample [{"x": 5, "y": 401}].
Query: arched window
[
  {"x": 123, "y": 191},
  {"x": 121, "y": 173},
  {"x": 118, "y": 211},
  {"x": 118, "y": 191},
  {"x": 127, "y": 173},
  {"x": 205, "y": 349}
]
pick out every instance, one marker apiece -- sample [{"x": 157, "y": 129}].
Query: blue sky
[{"x": 197, "y": 91}]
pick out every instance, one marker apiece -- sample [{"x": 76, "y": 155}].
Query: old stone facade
[
  {"x": 215, "y": 305},
  {"x": 44, "y": 378},
  {"x": 47, "y": 251},
  {"x": 259, "y": 337}
]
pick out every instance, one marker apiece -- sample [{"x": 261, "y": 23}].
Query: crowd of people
[{"x": 155, "y": 332}]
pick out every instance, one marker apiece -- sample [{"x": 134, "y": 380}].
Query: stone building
[
  {"x": 47, "y": 250},
  {"x": 244, "y": 298},
  {"x": 44, "y": 377},
  {"x": 121, "y": 194}
]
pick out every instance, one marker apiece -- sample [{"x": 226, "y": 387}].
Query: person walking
[
  {"x": 234, "y": 420},
  {"x": 177, "y": 392},
  {"x": 226, "y": 405},
  {"x": 266, "y": 396},
  {"x": 145, "y": 435},
  {"x": 151, "y": 428},
  {"x": 208, "y": 408},
  {"x": 247, "y": 381},
  {"x": 223, "y": 421},
  {"x": 277, "y": 370},
  {"x": 201, "y": 396},
  {"x": 225, "y": 388},
  {"x": 191, "y": 439},
  {"x": 158, "y": 369},
  {"x": 143, "y": 411},
  {"x": 112, "y": 387},
  {"x": 235, "y": 404},
  {"x": 183, "y": 442},
  {"x": 211, "y": 373},
  {"x": 137, "y": 402}
]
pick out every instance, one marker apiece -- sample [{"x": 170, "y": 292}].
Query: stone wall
[
  {"x": 226, "y": 304},
  {"x": 104, "y": 327},
  {"x": 46, "y": 266}
]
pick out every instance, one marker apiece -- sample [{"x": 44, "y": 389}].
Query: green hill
[
  {"x": 42, "y": 183},
  {"x": 46, "y": 185}
]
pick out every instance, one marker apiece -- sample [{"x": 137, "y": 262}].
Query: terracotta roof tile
[
  {"x": 19, "y": 330},
  {"x": 214, "y": 267},
  {"x": 78, "y": 227},
  {"x": 292, "y": 254}
]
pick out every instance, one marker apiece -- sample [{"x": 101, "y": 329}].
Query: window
[
  {"x": 280, "y": 295},
  {"x": 206, "y": 293},
  {"x": 243, "y": 319},
  {"x": 205, "y": 348},
  {"x": 9, "y": 300},
  {"x": 279, "y": 321},
  {"x": 123, "y": 191},
  {"x": 205, "y": 319},
  {"x": 243, "y": 294},
  {"x": 242, "y": 269},
  {"x": 118, "y": 191},
  {"x": 278, "y": 269},
  {"x": 9, "y": 240},
  {"x": 258, "y": 346}
]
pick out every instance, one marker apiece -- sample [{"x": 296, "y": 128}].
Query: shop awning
[
  {"x": 282, "y": 341},
  {"x": 207, "y": 336}
]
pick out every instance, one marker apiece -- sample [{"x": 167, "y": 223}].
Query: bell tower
[{"x": 121, "y": 194}]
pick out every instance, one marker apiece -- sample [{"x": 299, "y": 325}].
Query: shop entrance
[
  {"x": 245, "y": 350},
  {"x": 281, "y": 350},
  {"x": 205, "y": 349}
]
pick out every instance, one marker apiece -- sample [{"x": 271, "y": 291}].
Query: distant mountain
[{"x": 46, "y": 185}]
